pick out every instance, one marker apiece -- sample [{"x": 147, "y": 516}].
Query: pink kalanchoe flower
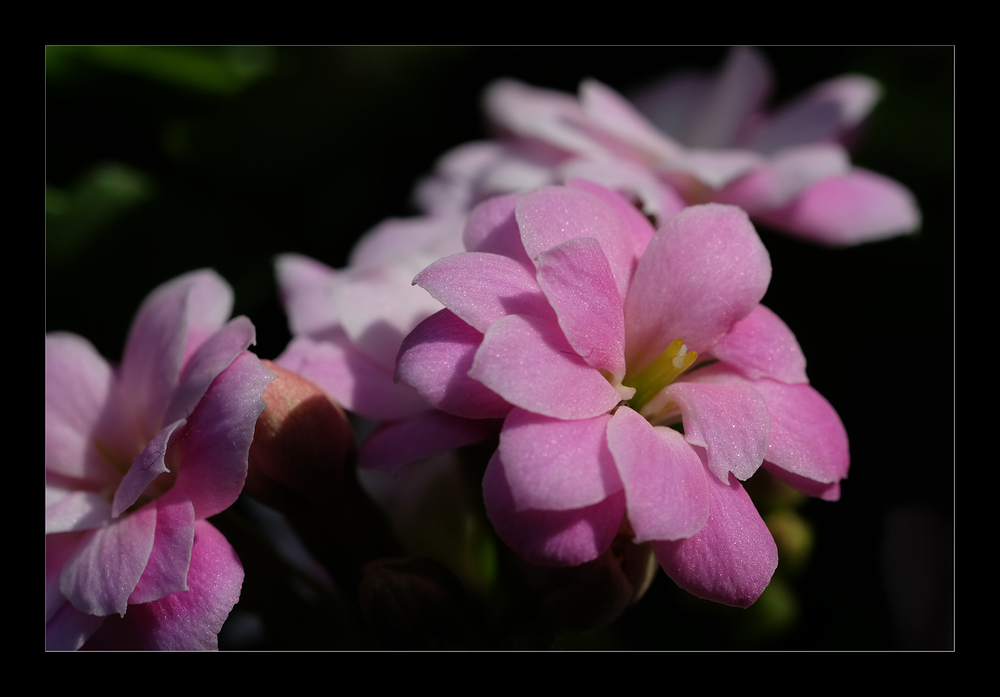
[
  {"x": 136, "y": 458},
  {"x": 597, "y": 338},
  {"x": 702, "y": 138}
]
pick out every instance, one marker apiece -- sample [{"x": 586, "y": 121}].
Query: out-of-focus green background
[{"x": 164, "y": 160}]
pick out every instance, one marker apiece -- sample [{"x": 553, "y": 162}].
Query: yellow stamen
[{"x": 674, "y": 360}]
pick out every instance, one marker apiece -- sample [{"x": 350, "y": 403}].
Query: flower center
[{"x": 674, "y": 360}]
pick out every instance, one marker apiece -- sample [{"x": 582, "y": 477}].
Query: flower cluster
[
  {"x": 687, "y": 140},
  {"x": 596, "y": 337},
  {"x": 136, "y": 458}
]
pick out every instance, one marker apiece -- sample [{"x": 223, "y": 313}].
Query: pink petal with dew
[
  {"x": 436, "y": 359},
  {"x": 555, "y": 538},
  {"x": 550, "y": 216},
  {"x": 493, "y": 228},
  {"x": 736, "y": 94},
  {"x": 167, "y": 569},
  {"x": 704, "y": 270},
  {"x": 211, "y": 358},
  {"x": 808, "y": 438},
  {"x": 665, "y": 481},
  {"x": 82, "y": 405},
  {"x": 397, "y": 443},
  {"x": 216, "y": 441},
  {"x": 640, "y": 229},
  {"x": 529, "y": 363},
  {"x": 823, "y": 114},
  {"x": 147, "y": 466},
  {"x": 785, "y": 176},
  {"x": 557, "y": 465},
  {"x": 578, "y": 282},
  {"x": 307, "y": 291},
  {"x": 860, "y": 207},
  {"x": 761, "y": 345},
  {"x": 729, "y": 420},
  {"x": 108, "y": 563},
  {"x": 481, "y": 288},
  {"x": 732, "y": 559},
  {"x": 67, "y": 510},
  {"x": 351, "y": 378},
  {"x": 172, "y": 323},
  {"x": 185, "y": 621}
]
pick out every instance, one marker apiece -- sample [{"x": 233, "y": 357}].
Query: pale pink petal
[
  {"x": 106, "y": 567},
  {"x": 397, "y": 443},
  {"x": 822, "y": 114},
  {"x": 307, "y": 291},
  {"x": 208, "y": 361},
  {"x": 714, "y": 168},
  {"x": 436, "y": 358},
  {"x": 732, "y": 559},
  {"x": 653, "y": 198},
  {"x": 612, "y": 112},
  {"x": 704, "y": 270},
  {"x": 379, "y": 306},
  {"x": 216, "y": 441},
  {"x": 761, "y": 345},
  {"x": 529, "y": 363},
  {"x": 481, "y": 288},
  {"x": 553, "y": 215},
  {"x": 557, "y": 465},
  {"x": 559, "y": 538},
  {"x": 172, "y": 323},
  {"x": 729, "y": 420},
  {"x": 789, "y": 172},
  {"x": 860, "y": 207},
  {"x": 808, "y": 438},
  {"x": 67, "y": 510},
  {"x": 167, "y": 569},
  {"x": 351, "y": 378},
  {"x": 400, "y": 239},
  {"x": 185, "y": 621},
  {"x": 147, "y": 466},
  {"x": 810, "y": 487},
  {"x": 59, "y": 548},
  {"x": 578, "y": 282},
  {"x": 69, "y": 629},
  {"x": 80, "y": 395},
  {"x": 493, "y": 228},
  {"x": 665, "y": 481}
]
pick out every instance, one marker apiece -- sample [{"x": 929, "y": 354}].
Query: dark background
[{"x": 160, "y": 161}]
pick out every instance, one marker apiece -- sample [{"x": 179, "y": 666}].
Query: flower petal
[
  {"x": 557, "y": 465},
  {"x": 860, "y": 207},
  {"x": 397, "y": 443},
  {"x": 492, "y": 228},
  {"x": 435, "y": 359},
  {"x": 732, "y": 559},
  {"x": 216, "y": 440},
  {"x": 761, "y": 345},
  {"x": 67, "y": 510},
  {"x": 664, "y": 480},
  {"x": 529, "y": 363},
  {"x": 558, "y": 538},
  {"x": 577, "y": 281},
  {"x": 185, "y": 621},
  {"x": 107, "y": 565},
  {"x": 307, "y": 290},
  {"x": 704, "y": 270},
  {"x": 167, "y": 569},
  {"x": 147, "y": 466}
]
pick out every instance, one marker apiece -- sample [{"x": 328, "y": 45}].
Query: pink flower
[
  {"x": 136, "y": 458},
  {"x": 348, "y": 325},
  {"x": 596, "y": 339},
  {"x": 702, "y": 138}
]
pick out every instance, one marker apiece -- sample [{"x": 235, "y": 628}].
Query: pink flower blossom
[
  {"x": 690, "y": 139},
  {"x": 596, "y": 338},
  {"x": 136, "y": 458},
  {"x": 348, "y": 324}
]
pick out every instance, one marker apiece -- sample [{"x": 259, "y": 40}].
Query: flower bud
[{"x": 302, "y": 444}]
